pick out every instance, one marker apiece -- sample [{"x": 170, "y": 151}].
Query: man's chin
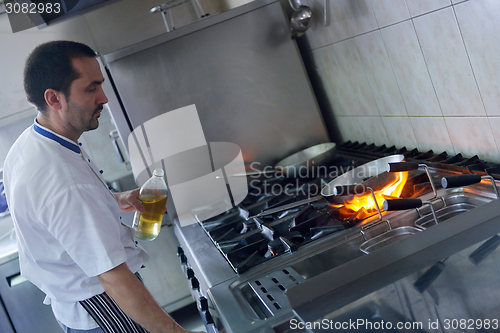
[{"x": 93, "y": 125}]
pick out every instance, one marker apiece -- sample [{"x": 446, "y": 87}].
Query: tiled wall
[{"x": 417, "y": 73}]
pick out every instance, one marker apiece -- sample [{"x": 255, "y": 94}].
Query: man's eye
[{"x": 92, "y": 89}]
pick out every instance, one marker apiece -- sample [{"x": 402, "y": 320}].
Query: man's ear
[{"x": 54, "y": 98}]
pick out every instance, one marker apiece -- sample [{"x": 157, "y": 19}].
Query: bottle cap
[{"x": 158, "y": 172}]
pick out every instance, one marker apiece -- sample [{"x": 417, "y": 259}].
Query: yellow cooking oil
[{"x": 147, "y": 224}]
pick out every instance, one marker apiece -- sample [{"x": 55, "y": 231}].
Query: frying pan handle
[
  {"x": 401, "y": 166},
  {"x": 430, "y": 275},
  {"x": 357, "y": 189},
  {"x": 461, "y": 180},
  {"x": 401, "y": 204}
]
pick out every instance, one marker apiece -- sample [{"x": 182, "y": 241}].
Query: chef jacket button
[
  {"x": 120, "y": 217},
  {"x": 79, "y": 143},
  {"x": 101, "y": 171},
  {"x": 89, "y": 159},
  {"x": 110, "y": 187}
]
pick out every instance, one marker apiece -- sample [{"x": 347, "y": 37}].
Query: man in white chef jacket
[{"x": 72, "y": 244}]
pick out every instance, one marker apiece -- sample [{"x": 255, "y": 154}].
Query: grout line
[
  {"x": 470, "y": 63},
  {"x": 394, "y": 73},
  {"x": 429, "y": 12},
  {"x": 367, "y": 79},
  {"x": 380, "y": 28},
  {"x": 427, "y": 67},
  {"x": 375, "y": 16},
  {"x": 475, "y": 79},
  {"x": 399, "y": 89}
]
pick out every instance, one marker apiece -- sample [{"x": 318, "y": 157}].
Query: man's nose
[{"x": 102, "y": 97}]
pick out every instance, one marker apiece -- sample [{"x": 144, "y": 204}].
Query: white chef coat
[{"x": 67, "y": 222}]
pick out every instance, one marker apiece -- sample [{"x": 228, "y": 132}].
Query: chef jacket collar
[{"x": 57, "y": 138}]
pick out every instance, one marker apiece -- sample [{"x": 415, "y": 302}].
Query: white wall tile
[
  {"x": 358, "y": 95},
  {"x": 419, "y": 7},
  {"x": 448, "y": 64},
  {"x": 362, "y": 129},
  {"x": 399, "y": 132},
  {"x": 332, "y": 78},
  {"x": 473, "y": 136},
  {"x": 360, "y": 16},
  {"x": 431, "y": 133},
  {"x": 410, "y": 69},
  {"x": 495, "y": 128},
  {"x": 380, "y": 75},
  {"x": 388, "y": 12},
  {"x": 478, "y": 21},
  {"x": 373, "y": 129},
  {"x": 350, "y": 130},
  {"x": 346, "y": 18}
]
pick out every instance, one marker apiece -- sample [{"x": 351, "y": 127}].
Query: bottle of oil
[{"x": 153, "y": 195}]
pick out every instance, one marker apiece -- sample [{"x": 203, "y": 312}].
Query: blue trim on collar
[{"x": 62, "y": 142}]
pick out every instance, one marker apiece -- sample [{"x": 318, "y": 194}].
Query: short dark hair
[{"x": 49, "y": 67}]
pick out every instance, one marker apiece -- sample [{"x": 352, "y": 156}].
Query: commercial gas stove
[{"x": 431, "y": 260}]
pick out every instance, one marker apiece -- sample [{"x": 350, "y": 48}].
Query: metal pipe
[{"x": 165, "y": 20}]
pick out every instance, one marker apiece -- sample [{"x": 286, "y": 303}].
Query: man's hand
[
  {"x": 129, "y": 201},
  {"x": 134, "y": 299}
]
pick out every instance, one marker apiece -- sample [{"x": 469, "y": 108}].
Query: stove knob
[
  {"x": 195, "y": 284},
  {"x": 190, "y": 273},
  {"x": 208, "y": 318},
  {"x": 203, "y": 303},
  {"x": 184, "y": 259}
]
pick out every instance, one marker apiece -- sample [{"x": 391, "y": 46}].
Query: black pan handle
[
  {"x": 401, "y": 166},
  {"x": 430, "y": 275},
  {"x": 458, "y": 181},
  {"x": 342, "y": 190},
  {"x": 484, "y": 250},
  {"x": 401, "y": 204}
]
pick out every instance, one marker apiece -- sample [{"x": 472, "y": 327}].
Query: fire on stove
[{"x": 363, "y": 206}]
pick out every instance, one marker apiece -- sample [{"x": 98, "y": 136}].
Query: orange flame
[{"x": 367, "y": 205}]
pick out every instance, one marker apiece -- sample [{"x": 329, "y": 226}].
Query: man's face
[{"x": 86, "y": 97}]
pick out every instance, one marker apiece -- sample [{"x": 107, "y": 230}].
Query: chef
[{"x": 71, "y": 242}]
